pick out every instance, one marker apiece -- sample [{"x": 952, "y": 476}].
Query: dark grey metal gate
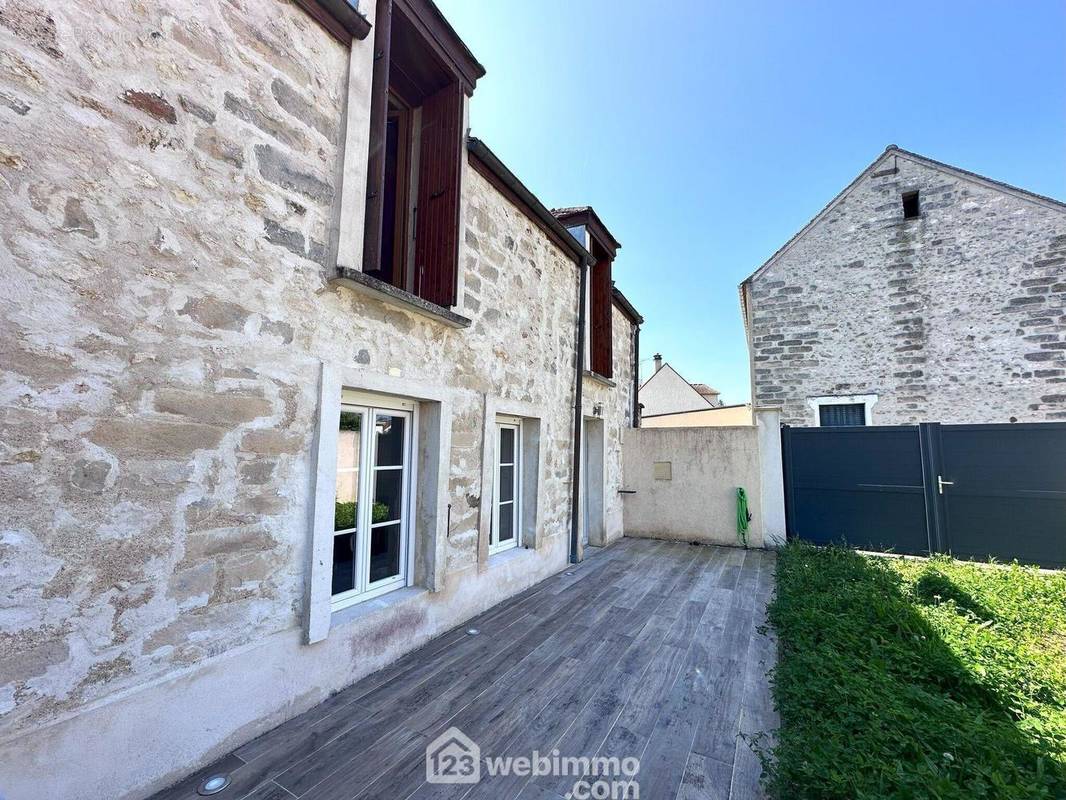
[{"x": 975, "y": 491}]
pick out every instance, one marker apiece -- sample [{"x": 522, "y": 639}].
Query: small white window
[
  {"x": 507, "y": 488},
  {"x": 841, "y": 414},
  {"x": 371, "y": 507},
  {"x": 843, "y": 410}
]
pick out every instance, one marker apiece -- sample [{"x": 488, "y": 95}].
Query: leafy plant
[
  {"x": 916, "y": 679},
  {"x": 379, "y": 512},
  {"x": 344, "y": 514}
]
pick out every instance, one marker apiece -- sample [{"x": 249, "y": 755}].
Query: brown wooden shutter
[
  {"x": 437, "y": 222},
  {"x": 602, "y": 356},
  {"x": 379, "y": 109}
]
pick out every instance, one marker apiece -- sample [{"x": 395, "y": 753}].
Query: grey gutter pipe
[
  {"x": 575, "y": 488},
  {"x": 636, "y": 376}
]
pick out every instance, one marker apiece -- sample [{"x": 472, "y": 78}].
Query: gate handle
[{"x": 941, "y": 483}]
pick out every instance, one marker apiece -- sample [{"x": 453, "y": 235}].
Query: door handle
[{"x": 941, "y": 483}]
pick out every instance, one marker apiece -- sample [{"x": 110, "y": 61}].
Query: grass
[{"x": 917, "y": 679}]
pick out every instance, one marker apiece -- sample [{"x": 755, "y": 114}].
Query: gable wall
[
  {"x": 667, "y": 392},
  {"x": 954, "y": 317}
]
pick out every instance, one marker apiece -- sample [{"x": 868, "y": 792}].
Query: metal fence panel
[
  {"x": 858, "y": 485},
  {"x": 975, "y": 491}
]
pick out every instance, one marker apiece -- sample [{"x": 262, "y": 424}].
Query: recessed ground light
[
  {"x": 568, "y": 573},
  {"x": 472, "y": 631},
  {"x": 213, "y": 784}
]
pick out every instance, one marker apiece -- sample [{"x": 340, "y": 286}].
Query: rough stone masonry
[
  {"x": 167, "y": 172},
  {"x": 958, "y": 316}
]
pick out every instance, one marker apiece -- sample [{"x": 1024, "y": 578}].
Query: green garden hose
[{"x": 743, "y": 516}]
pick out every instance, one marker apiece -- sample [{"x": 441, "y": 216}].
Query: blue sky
[{"x": 707, "y": 133}]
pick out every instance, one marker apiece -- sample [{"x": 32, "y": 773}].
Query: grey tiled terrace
[{"x": 648, "y": 649}]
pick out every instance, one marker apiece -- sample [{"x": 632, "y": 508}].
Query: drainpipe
[
  {"x": 636, "y": 376},
  {"x": 575, "y": 493}
]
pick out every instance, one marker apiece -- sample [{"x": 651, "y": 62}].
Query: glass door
[
  {"x": 346, "y": 517},
  {"x": 371, "y": 512}
]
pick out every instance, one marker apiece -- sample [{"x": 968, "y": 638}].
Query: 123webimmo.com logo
[{"x": 453, "y": 757}]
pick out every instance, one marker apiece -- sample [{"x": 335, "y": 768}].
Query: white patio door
[{"x": 372, "y": 513}]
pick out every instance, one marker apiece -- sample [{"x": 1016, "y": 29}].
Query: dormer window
[
  {"x": 911, "y": 207},
  {"x": 411, "y": 237},
  {"x": 399, "y": 206},
  {"x": 585, "y": 226}
]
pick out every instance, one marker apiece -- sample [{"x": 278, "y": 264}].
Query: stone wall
[
  {"x": 958, "y": 316},
  {"x": 169, "y": 173}
]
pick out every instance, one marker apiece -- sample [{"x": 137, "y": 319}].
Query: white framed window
[
  {"x": 372, "y": 507},
  {"x": 842, "y": 410},
  {"x": 506, "y": 525}
]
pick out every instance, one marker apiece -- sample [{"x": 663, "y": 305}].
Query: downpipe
[{"x": 575, "y": 491}]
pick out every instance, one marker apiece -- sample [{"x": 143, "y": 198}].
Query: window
[
  {"x": 371, "y": 508},
  {"x": 421, "y": 71},
  {"x": 911, "y": 209},
  {"x": 837, "y": 414},
  {"x": 585, "y": 226},
  {"x": 507, "y": 487},
  {"x": 512, "y": 451}
]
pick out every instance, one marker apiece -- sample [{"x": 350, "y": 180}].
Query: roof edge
[
  {"x": 625, "y": 306},
  {"x": 451, "y": 46},
  {"x": 666, "y": 365},
  {"x": 895, "y": 150},
  {"x": 540, "y": 213},
  {"x": 586, "y": 215}
]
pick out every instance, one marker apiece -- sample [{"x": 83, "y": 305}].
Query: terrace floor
[{"x": 648, "y": 649}]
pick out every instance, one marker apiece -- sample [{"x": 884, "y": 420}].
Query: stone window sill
[
  {"x": 595, "y": 376},
  {"x": 349, "y": 614},
  {"x": 387, "y": 293},
  {"x": 511, "y": 554}
]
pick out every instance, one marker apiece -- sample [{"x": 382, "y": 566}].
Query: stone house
[
  {"x": 293, "y": 373},
  {"x": 921, "y": 293},
  {"x": 667, "y": 400},
  {"x": 667, "y": 392}
]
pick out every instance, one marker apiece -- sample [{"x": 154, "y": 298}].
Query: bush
[
  {"x": 917, "y": 679},
  {"x": 344, "y": 514}
]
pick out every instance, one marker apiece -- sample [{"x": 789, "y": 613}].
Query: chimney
[{"x": 658, "y": 361}]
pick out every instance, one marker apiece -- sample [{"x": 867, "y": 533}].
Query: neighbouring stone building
[
  {"x": 263, "y": 428},
  {"x": 921, "y": 293}
]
